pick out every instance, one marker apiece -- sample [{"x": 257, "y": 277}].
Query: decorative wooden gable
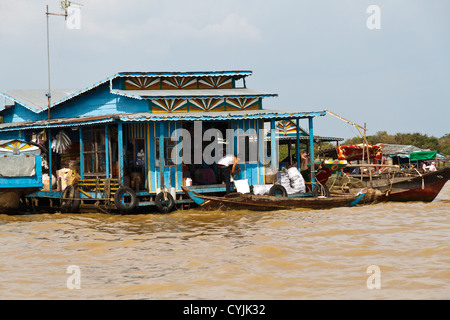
[
  {"x": 288, "y": 128},
  {"x": 168, "y": 83}
]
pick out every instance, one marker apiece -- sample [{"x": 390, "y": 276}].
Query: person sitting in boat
[
  {"x": 227, "y": 165},
  {"x": 432, "y": 167}
]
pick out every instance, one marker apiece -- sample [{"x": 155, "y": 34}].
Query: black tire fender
[
  {"x": 321, "y": 190},
  {"x": 68, "y": 199},
  {"x": 164, "y": 202},
  {"x": 125, "y": 206},
  {"x": 278, "y": 190}
]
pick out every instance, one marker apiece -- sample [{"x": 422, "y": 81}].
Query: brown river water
[{"x": 190, "y": 254}]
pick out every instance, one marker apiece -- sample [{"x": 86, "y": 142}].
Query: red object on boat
[{"x": 354, "y": 152}]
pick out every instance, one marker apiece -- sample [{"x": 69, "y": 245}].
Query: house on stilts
[{"x": 123, "y": 140}]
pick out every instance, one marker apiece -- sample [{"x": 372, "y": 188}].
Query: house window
[
  {"x": 94, "y": 153},
  {"x": 169, "y": 146}
]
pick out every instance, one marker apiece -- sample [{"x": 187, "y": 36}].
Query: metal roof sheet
[
  {"x": 222, "y": 115},
  {"x": 36, "y": 100},
  {"x": 399, "y": 149},
  {"x": 57, "y": 123},
  {"x": 236, "y": 73},
  {"x": 147, "y": 117}
]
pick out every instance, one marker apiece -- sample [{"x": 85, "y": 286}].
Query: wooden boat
[
  {"x": 20, "y": 172},
  {"x": 238, "y": 201},
  {"x": 421, "y": 187},
  {"x": 403, "y": 186}
]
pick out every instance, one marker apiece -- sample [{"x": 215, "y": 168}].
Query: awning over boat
[{"x": 422, "y": 155}]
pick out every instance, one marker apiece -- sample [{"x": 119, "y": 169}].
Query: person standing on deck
[
  {"x": 228, "y": 166},
  {"x": 304, "y": 160}
]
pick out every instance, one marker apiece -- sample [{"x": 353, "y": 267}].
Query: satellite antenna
[{"x": 64, "y": 6}]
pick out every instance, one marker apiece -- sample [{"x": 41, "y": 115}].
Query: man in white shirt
[
  {"x": 228, "y": 166},
  {"x": 432, "y": 167}
]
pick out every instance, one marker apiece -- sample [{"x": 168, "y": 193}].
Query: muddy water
[{"x": 231, "y": 255}]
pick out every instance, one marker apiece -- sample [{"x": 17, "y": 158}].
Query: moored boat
[
  {"x": 422, "y": 187},
  {"x": 245, "y": 201}
]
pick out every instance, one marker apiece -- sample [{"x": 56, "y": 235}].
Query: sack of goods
[
  {"x": 297, "y": 181},
  {"x": 292, "y": 181}
]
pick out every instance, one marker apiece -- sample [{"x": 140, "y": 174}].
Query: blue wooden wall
[
  {"x": 253, "y": 168},
  {"x": 96, "y": 102}
]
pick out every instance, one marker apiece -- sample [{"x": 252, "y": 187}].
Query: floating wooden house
[{"x": 123, "y": 130}]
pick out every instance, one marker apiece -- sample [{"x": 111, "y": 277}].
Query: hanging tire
[
  {"x": 70, "y": 199},
  {"x": 76, "y": 201},
  {"x": 122, "y": 194},
  {"x": 164, "y": 202},
  {"x": 277, "y": 190},
  {"x": 321, "y": 190},
  {"x": 67, "y": 199}
]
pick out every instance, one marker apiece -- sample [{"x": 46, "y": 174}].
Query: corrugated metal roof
[
  {"x": 36, "y": 100},
  {"x": 293, "y": 138},
  {"x": 399, "y": 149},
  {"x": 235, "y": 73},
  {"x": 192, "y": 93},
  {"x": 57, "y": 123},
  {"x": 222, "y": 115},
  {"x": 147, "y": 117}
]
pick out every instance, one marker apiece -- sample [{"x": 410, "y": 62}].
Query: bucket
[{"x": 173, "y": 192}]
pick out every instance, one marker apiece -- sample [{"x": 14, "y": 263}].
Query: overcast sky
[{"x": 315, "y": 55}]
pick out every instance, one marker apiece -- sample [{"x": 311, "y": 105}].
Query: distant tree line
[{"x": 423, "y": 141}]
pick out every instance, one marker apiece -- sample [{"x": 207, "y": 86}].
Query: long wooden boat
[
  {"x": 413, "y": 186},
  {"x": 424, "y": 187},
  {"x": 239, "y": 201}
]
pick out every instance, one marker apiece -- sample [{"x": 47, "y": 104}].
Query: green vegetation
[{"x": 423, "y": 141}]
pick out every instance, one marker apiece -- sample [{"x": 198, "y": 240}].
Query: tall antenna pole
[{"x": 49, "y": 95}]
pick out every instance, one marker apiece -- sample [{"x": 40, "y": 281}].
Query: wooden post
[
  {"x": 107, "y": 150},
  {"x": 311, "y": 151},
  {"x": 368, "y": 155},
  {"x": 273, "y": 147},
  {"x": 81, "y": 152},
  {"x": 297, "y": 144},
  {"x": 161, "y": 154},
  {"x": 120, "y": 147},
  {"x": 50, "y": 171}
]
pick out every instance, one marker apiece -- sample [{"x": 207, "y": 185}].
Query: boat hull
[
  {"x": 238, "y": 201},
  {"x": 420, "y": 188}
]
